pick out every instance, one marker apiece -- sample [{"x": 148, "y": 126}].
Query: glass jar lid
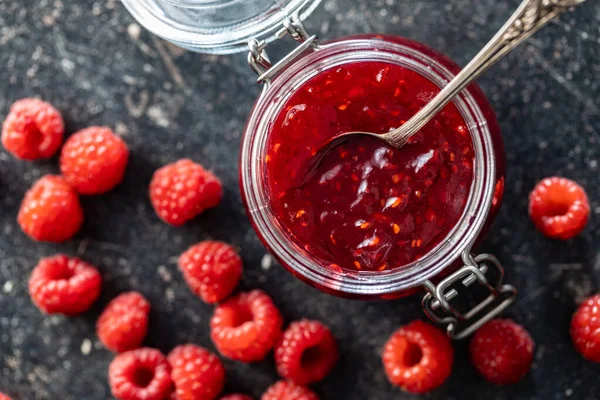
[{"x": 216, "y": 26}]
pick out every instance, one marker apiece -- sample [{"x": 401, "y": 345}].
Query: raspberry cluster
[{"x": 245, "y": 326}]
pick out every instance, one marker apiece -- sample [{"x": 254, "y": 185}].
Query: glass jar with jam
[{"x": 364, "y": 220}]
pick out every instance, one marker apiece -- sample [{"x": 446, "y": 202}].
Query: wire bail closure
[
  {"x": 476, "y": 269},
  {"x": 259, "y": 60}
]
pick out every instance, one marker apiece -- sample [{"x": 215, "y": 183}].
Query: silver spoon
[{"x": 526, "y": 20}]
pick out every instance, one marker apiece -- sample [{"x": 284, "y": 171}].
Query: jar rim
[{"x": 255, "y": 191}]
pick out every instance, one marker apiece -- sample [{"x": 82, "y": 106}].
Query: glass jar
[
  {"x": 216, "y": 26},
  {"x": 446, "y": 270}
]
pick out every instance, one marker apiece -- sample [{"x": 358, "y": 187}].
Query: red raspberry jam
[{"x": 367, "y": 206}]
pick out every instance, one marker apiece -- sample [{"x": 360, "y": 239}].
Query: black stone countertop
[{"x": 98, "y": 66}]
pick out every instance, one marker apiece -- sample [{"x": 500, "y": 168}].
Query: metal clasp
[
  {"x": 259, "y": 60},
  {"x": 479, "y": 269}
]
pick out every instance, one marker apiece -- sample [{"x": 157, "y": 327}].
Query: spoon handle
[{"x": 526, "y": 20}]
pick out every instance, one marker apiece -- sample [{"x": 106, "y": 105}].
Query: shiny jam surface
[{"x": 367, "y": 206}]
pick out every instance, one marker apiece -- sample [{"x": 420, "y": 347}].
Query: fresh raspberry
[
  {"x": 5, "y": 397},
  {"x": 306, "y": 353},
  {"x": 233, "y": 397},
  {"x": 285, "y": 390},
  {"x": 183, "y": 190},
  {"x": 559, "y": 208},
  {"x": 123, "y": 324},
  {"x": 32, "y": 130},
  {"x": 418, "y": 357},
  {"x": 246, "y": 327},
  {"x": 94, "y": 160},
  {"x": 63, "y": 285},
  {"x": 212, "y": 270},
  {"x": 585, "y": 329},
  {"x": 502, "y": 351},
  {"x": 197, "y": 373},
  {"x": 50, "y": 210},
  {"x": 142, "y": 374}
]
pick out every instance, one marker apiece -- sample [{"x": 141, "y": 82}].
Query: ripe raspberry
[
  {"x": 585, "y": 329},
  {"x": 232, "y": 397},
  {"x": 183, "y": 190},
  {"x": 559, "y": 208},
  {"x": 418, "y": 357},
  {"x": 142, "y": 374},
  {"x": 212, "y": 270},
  {"x": 284, "y": 390},
  {"x": 64, "y": 285},
  {"x": 32, "y": 130},
  {"x": 123, "y": 324},
  {"x": 502, "y": 351},
  {"x": 246, "y": 327},
  {"x": 50, "y": 210},
  {"x": 5, "y": 397},
  {"x": 93, "y": 160},
  {"x": 196, "y": 372},
  {"x": 306, "y": 353}
]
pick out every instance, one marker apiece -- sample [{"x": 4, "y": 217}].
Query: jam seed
[
  {"x": 397, "y": 92},
  {"x": 357, "y": 265},
  {"x": 392, "y": 202},
  {"x": 416, "y": 243},
  {"x": 335, "y": 267},
  {"x": 342, "y": 107},
  {"x": 382, "y": 74},
  {"x": 332, "y": 239},
  {"x": 382, "y": 266},
  {"x": 267, "y": 158},
  {"x": 462, "y": 130},
  {"x": 362, "y": 224},
  {"x": 452, "y": 156},
  {"x": 418, "y": 193},
  {"x": 396, "y": 228},
  {"x": 300, "y": 213},
  {"x": 276, "y": 147}
]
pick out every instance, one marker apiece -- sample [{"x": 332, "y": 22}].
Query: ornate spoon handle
[{"x": 526, "y": 20}]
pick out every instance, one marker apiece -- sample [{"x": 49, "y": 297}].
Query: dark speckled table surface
[{"x": 98, "y": 66}]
